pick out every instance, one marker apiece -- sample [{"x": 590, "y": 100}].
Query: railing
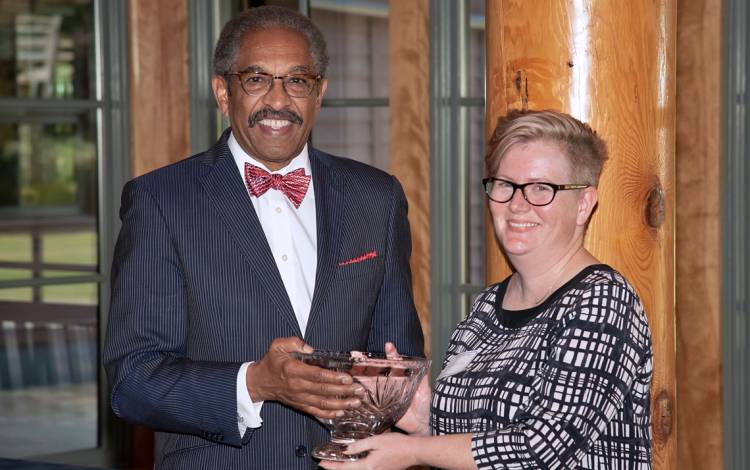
[
  {"x": 35, "y": 228},
  {"x": 47, "y": 343}
]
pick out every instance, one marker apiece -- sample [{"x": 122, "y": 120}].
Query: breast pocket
[{"x": 372, "y": 267}]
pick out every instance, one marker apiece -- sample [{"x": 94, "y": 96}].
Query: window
[
  {"x": 55, "y": 222},
  {"x": 353, "y": 121},
  {"x": 457, "y": 81}
]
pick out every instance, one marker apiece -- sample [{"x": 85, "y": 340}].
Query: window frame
[{"x": 735, "y": 232}]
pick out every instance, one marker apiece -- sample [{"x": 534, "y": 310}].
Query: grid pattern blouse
[{"x": 565, "y": 384}]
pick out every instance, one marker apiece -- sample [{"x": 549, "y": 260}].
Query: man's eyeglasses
[
  {"x": 536, "y": 194},
  {"x": 296, "y": 85}
]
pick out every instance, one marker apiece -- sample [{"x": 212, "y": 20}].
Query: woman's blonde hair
[{"x": 585, "y": 150}]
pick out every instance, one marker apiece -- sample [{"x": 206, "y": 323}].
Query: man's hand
[{"x": 319, "y": 392}]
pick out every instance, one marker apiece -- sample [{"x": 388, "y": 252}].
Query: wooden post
[
  {"x": 698, "y": 264},
  {"x": 160, "y": 91},
  {"x": 611, "y": 64},
  {"x": 409, "y": 101},
  {"x": 160, "y": 122}
]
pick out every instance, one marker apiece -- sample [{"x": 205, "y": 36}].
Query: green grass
[
  {"x": 15, "y": 247},
  {"x": 69, "y": 248},
  {"x": 79, "y": 294}
]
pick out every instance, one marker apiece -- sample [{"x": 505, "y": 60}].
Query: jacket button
[{"x": 300, "y": 451}]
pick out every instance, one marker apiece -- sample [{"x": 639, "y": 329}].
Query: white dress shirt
[{"x": 291, "y": 234}]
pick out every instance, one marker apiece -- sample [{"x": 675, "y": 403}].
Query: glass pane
[
  {"x": 48, "y": 333},
  {"x": 356, "y": 33},
  {"x": 46, "y": 48},
  {"x": 48, "y": 198},
  {"x": 15, "y": 253},
  {"x": 476, "y": 50},
  {"x": 20, "y": 294},
  {"x": 48, "y": 391},
  {"x": 75, "y": 294},
  {"x": 71, "y": 247},
  {"x": 359, "y": 133}
]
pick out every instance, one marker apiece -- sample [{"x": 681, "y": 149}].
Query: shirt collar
[{"x": 240, "y": 157}]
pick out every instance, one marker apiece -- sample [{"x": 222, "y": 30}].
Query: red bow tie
[{"x": 293, "y": 184}]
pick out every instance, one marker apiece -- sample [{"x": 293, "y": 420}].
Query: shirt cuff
[{"x": 248, "y": 412}]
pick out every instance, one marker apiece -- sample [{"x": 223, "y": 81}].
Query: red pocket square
[{"x": 360, "y": 258}]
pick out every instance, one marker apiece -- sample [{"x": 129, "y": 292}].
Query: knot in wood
[
  {"x": 655, "y": 206},
  {"x": 663, "y": 417}
]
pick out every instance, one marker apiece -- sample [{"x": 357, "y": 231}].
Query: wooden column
[
  {"x": 699, "y": 408},
  {"x": 612, "y": 64},
  {"x": 160, "y": 122},
  {"x": 160, "y": 99},
  {"x": 410, "y": 134}
]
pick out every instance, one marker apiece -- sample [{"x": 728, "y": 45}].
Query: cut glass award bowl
[{"x": 389, "y": 387}]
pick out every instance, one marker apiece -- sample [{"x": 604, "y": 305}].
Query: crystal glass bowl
[{"x": 389, "y": 387}]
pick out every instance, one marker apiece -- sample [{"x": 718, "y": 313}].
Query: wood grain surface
[
  {"x": 410, "y": 134},
  {"x": 159, "y": 116},
  {"x": 699, "y": 409},
  {"x": 160, "y": 92},
  {"x": 610, "y": 63}
]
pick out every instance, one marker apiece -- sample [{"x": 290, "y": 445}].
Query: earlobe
[
  {"x": 221, "y": 94},
  {"x": 321, "y": 92},
  {"x": 586, "y": 204}
]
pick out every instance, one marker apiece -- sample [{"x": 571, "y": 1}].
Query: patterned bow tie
[{"x": 293, "y": 184}]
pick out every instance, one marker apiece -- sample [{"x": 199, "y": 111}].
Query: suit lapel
[
  {"x": 226, "y": 190},
  {"x": 329, "y": 209}
]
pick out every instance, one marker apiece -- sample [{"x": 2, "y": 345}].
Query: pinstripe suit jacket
[{"x": 196, "y": 292}]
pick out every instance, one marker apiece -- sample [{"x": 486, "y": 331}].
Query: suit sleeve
[
  {"x": 395, "y": 318},
  {"x": 152, "y": 381}
]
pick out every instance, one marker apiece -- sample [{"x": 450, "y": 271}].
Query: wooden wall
[
  {"x": 410, "y": 134},
  {"x": 699, "y": 391},
  {"x": 612, "y": 64}
]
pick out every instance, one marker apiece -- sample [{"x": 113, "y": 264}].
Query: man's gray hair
[{"x": 267, "y": 17}]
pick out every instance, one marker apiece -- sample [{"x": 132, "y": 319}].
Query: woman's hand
[
  {"x": 396, "y": 451},
  {"x": 416, "y": 420},
  {"x": 387, "y": 451}
]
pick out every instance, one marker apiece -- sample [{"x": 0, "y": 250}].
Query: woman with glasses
[{"x": 552, "y": 368}]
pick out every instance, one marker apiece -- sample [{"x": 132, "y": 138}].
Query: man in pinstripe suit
[{"x": 233, "y": 258}]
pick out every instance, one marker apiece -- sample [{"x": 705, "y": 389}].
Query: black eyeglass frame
[
  {"x": 522, "y": 187},
  {"x": 316, "y": 78}
]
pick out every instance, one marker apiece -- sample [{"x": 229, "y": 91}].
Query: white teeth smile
[
  {"x": 275, "y": 124},
  {"x": 522, "y": 225}
]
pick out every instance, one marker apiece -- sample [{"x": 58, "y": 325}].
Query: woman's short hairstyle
[
  {"x": 267, "y": 17},
  {"x": 586, "y": 151}
]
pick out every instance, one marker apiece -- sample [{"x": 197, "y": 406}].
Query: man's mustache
[{"x": 270, "y": 113}]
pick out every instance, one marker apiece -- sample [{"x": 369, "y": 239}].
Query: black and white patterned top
[{"x": 565, "y": 384}]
